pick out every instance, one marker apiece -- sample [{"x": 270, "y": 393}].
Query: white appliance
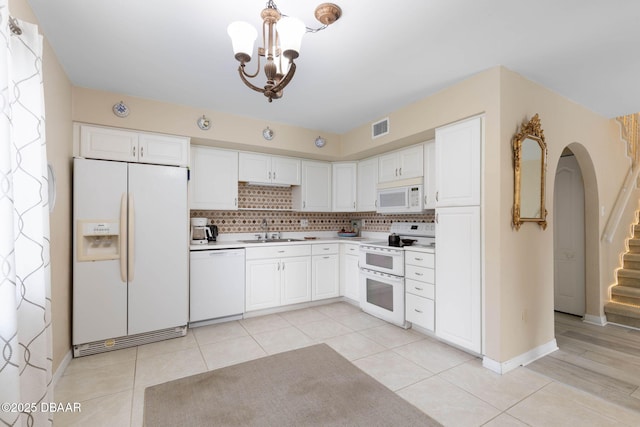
[
  {"x": 130, "y": 263},
  {"x": 216, "y": 285},
  {"x": 200, "y": 233},
  {"x": 403, "y": 199},
  {"x": 382, "y": 271}
]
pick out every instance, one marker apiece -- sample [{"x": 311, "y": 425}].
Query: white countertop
[
  {"x": 232, "y": 244},
  {"x": 235, "y": 244}
]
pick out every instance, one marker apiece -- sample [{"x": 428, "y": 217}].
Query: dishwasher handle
[{"x": 218, "y": 253}]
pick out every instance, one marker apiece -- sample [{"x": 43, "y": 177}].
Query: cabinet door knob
[
  {"x": 274, "y": 175},
  {"x": 418, "y": 289},
  {"x": 418, "y": 259},
  {"x": 419, "y": 274},
  {"x": 141, "y": 151},
  {"x": 417, "y": 311},
  {"x": 400, "y": 171},
  {"x": 134, "y": 151}
]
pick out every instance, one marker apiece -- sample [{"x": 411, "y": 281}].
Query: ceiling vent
[{"x": 380, "y": 128}]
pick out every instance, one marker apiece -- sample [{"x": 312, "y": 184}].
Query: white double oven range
[{"x": 382, "y": 269}]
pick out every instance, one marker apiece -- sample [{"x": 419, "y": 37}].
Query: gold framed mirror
[{"x": 530, "y": 166}]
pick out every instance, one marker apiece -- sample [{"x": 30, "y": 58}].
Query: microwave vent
[{"x": 380, "y": 128}]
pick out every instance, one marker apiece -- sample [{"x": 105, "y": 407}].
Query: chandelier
[{"x": 281, "y": 37}]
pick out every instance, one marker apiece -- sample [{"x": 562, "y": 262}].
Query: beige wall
[
  {"x": 526, "y": 277},
  {"x": 227, "y": 131},
  {"x": 57, "y": 93}
]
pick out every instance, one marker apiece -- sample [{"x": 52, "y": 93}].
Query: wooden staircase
[{"x": 624, "y": 307}]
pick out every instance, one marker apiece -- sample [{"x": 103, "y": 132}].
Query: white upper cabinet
[
  {"x": 344, "y": 187},
  {"x": 314, "y": 192},
  {"x": 214, "y": 179},
  {"x": 367, "y": 185},
  {"x": 286, "y": 170},
  {"x": 265, "y": 169},
  {"x": 118, "y": 144},
  {"x": 401, "y": 164},
  {"x": 430, "y": 174},
  {"x": 458, "y": 148}
]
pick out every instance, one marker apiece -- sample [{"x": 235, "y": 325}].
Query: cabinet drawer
[
  {"x": 419, "y": 273},
  {"x": 420, "y": 259},
  {"x": 278, "y": 251},
  {"x": 420, "y": 311},
  {"x": 421, "y": 289},
  {"x": 351, "y": 248},
  {"x": 324, "y": 249}
]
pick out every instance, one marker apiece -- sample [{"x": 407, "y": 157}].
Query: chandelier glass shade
[{"x": 281, "y": 41}]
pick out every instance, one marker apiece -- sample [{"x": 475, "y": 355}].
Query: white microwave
[{"x": 400, "y": 199}]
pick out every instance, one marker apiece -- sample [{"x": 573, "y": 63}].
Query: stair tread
[
  {"x": 629, "y": 272},
  {"x": 628, "y": 256},
  {"x": 628, "y": 310},
  {"x": 626, "y": 291}
]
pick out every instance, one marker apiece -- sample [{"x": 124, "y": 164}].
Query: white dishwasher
[{"x": 216, "y": 282}]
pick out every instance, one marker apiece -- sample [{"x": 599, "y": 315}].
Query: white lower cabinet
[
  {"x": 420, "y": 289},
  {"x": 296, "y": 280},
  {"x": 350, "y": 271},
  {"x": 420, "y": 311},
  {"x": 458, "y": 277},
  {"x": 277, "y": 275},
  {"x": 263, "y": 284},
  {"x": 325, "y": 281}
]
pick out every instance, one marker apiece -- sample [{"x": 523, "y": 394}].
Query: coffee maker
[{"x": 200, "y": 233}]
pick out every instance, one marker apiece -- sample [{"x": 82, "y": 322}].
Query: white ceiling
[{"x": 378, "y": 57}]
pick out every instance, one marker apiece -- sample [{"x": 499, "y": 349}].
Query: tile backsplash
[{"x": 274, "y": 204}]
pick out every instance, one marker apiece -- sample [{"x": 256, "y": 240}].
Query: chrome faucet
[{"x": 265, "y": 227}]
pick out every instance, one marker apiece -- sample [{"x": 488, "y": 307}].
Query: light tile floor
[{"x": 446, "y": 383}]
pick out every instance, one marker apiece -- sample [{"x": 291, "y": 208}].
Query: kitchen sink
[{"x": 271, "y": 240}]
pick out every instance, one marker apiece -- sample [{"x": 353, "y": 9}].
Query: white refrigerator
[{"x": 131, "y": 257}]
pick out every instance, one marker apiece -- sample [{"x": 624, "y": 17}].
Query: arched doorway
[
  {"x": 576, "y": 236},
  {"x": 569, "y": 288}
]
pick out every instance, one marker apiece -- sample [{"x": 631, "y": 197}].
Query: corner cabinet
[
  {"x": 314, "y": 192},
  {"x": 270, "y": 170},
  {"x": 401, "y": 164},
  {"x": 344, "y": 187},
  {"x": 214, "y": 179},
  {"x": 367, "y": 185},
  {"x": 105, "y": 143}
]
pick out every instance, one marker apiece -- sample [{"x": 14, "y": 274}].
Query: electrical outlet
[{"x": 304, "y": 222}]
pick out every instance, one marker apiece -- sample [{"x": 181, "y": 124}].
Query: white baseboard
[
  {"x": 595, "y": 320},
  {"x": 61, "y": 368},
  {"x": 521, "y": 360}
]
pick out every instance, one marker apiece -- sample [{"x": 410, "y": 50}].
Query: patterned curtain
[{"x": 25, "y": 279}]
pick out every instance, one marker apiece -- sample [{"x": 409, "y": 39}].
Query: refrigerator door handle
[
  {"x": 123, "y": 237},
  {"x": 131, "y": 238}
]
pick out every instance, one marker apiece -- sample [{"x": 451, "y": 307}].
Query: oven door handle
[{"x": 377, "y": 275}]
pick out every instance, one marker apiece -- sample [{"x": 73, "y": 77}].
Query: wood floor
[{"x": 604, "y": 361}]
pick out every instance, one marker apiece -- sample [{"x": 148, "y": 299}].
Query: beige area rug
[{"x": 311, "y": 386}]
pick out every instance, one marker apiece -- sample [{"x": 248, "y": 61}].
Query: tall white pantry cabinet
[{"x": 458, "y": 256}]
